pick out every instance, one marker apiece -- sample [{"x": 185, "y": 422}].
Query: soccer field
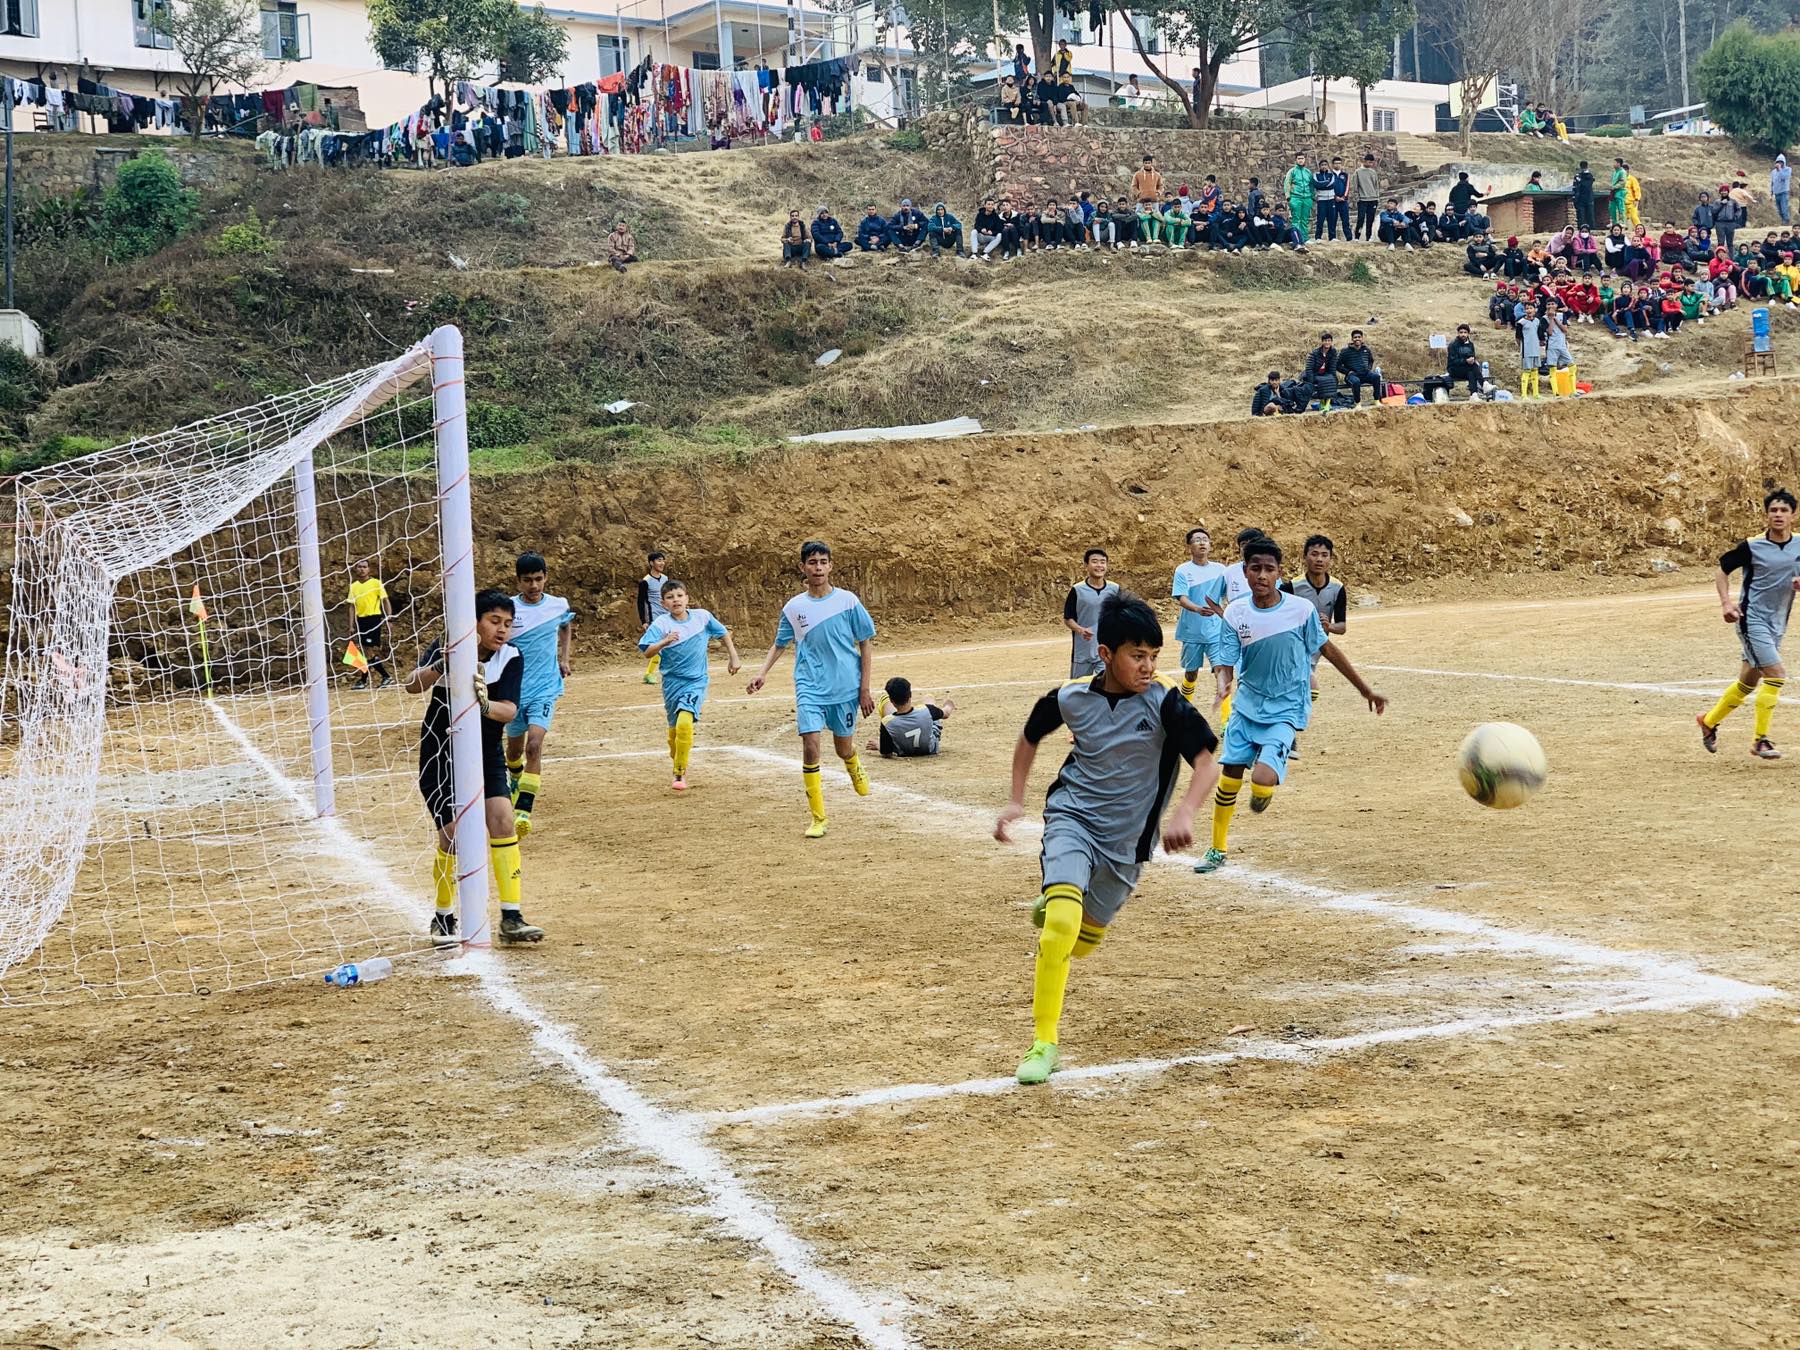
[{"x": 1406, "y": 1072}]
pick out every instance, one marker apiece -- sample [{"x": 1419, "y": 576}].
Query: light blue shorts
[
  {"x": 837, "y": 718},
  {"x": 535, "y": 712},
  {"x": 683, "y": 698},
  {"x": 1195, "y": 655},
  {"x": 1248, "y": 742}
]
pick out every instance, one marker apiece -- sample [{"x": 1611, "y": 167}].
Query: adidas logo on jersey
[{"x": 1143, "y": 724}]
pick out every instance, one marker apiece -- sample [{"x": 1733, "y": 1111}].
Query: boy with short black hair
[
  {"x": 1268, "y": 639},
  {"x": 369, "y": 601},
  {"x": 1236, "y": 588},
  {"x": 540, "y": 630},
  {"x": 685, "y": 634},
  {"x": 1326, "y": 593},
  {"x": 907, "y": 729},
  {"x": 649, "y": 602},
  {"x": 1081, "y": 611},
  {"x": 497, "y": 674},
  {"x": 1770, "y": 563},
  {"x": 1197, "y": 580},
  {"x": 831, "y": 634},
  {"x": 1131, "y": 728}
]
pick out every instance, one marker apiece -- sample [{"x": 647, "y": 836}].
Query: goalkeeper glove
[{"x": 481, "y": 694}]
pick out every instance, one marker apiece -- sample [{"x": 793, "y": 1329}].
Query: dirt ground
[{"x": 1445, "y": 1076}]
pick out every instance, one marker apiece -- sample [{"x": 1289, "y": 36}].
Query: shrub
[
  {"x": 24, "y": 384},
  {"x": 1612, "y": 130},
  {"x": 496, "y": 425},
  {"x": 1751, "y": 85},
  {"x": 249, "y": 238},
  {"x": 145, "y": 208},
  {"x": 910, "y": 139},
  {"x": 1362, "y": 274}
]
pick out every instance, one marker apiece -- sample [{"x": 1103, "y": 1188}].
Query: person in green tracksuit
[
  {"x": 1174, "y": 224},
  {"x": 1620, "y": 177},
  {"x": 1297, "y": 187}
]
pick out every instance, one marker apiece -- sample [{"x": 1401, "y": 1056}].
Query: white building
[{"x": 1394, "y": 105}]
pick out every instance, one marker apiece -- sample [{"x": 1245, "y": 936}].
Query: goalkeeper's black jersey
[{"x": 505, "y": 669}]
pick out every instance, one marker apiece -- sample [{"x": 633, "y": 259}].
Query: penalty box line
[
  {"x": 675, "y": 1139},
  {"x": 1661, "y": 983}
]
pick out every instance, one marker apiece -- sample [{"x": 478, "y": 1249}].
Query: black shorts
[
  {"x": 371, "y": 629},
  {"x": 437, "y": 783}
]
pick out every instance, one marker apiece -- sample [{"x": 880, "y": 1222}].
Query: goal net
[{"x": 204, "y": 787}]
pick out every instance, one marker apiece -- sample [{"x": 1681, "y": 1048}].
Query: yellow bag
[{"x": 1562, "y": 382}]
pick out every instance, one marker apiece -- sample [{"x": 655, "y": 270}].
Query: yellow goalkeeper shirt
[{"x": 367, "y": 596}]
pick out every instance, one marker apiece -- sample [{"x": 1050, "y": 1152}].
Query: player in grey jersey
[
  {"x": 1771, "y": 567},
  {"x": 1326, "y": 593},
  {"x": 1081, "y": 614},
  {"x": 908, "y": 729}
]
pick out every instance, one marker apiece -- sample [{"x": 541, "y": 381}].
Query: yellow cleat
[
  {"x": 522, "y": 822},
  {"x": 816, "y": 830},
  {"x": 859, "y": 779}
]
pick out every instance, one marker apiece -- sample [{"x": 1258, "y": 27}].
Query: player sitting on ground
[
  {"x": 541, "y": 627},
  {"x": 497, "y": 675},
  {"x": 1327, "y": 595},
  {"x": 1197, "y": 580},
  {"x": 1081, "y": 609},
  {"x": 684, "y": 635},
  {"x": 369, "y": 599},
  {"x": 1268, "y": 640},
  {"x": 1771, "y": 567},
  {"x": 831, "y": 634},
  {"x": 1100, "y": 815},
  {"x": 907, "y": 729},
  {"x": 650, "y": 605}
]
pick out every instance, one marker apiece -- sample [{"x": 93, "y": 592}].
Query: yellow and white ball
[{"x": 1502, "y": 765}]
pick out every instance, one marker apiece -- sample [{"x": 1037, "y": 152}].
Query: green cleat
[
  {"x": 1037, "y": 1066},
  {"x": 1037, "y": 912},
  {"x": 1212, "y": 862}
]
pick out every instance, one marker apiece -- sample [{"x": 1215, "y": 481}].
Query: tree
[
  {"x": 1217, "y": 29},
  {"x": 1351, "y": 40},
  {"x": 1477, "y": 37},
  {"x": 219, "y": 43},
  {"x": 533, "y": 47},
  {"x": 1751, "y": 85},
  {"x": 451, "y": 39}
]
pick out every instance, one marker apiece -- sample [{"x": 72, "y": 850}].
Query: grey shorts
[
  {"x": 1081, "y": 667},
  {"x": 1761, "y": 643},
  {"x": 1070, "y": 858}
]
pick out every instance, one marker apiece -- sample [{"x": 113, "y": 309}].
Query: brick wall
[{"x": 1032, "y": 163}]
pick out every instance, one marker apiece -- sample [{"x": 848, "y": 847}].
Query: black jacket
[
  {"x": 1584, "y": 187},
  {"x": 988, "y": 222},
  {"x": 1321, "y": 372},
  {"x": 1355, "y": 360},
  {"x": 1462, "y": 194},
  {"x": 1461, "y": 354},
  {"x": 1264, "y": 396}
]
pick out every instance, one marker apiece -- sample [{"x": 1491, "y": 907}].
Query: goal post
[{"x": 199, "y": 794}]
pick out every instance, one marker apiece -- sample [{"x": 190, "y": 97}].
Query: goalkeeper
[{"x": 497, "y": 674}]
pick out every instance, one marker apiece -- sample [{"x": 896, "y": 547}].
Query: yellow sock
[
  {"x": 1225, "y": 710},
  {"x": 1261, "y": 792},
  {"x": 684, "y": 741},
  {"x": 1062, "y": 928},
  {"x": 815, "y": 790},
  {"x": 671, "y": 745},
  {"x": 655, "y": 664},
  {"x": 530, "y": 784},
  {"x": 1088, "y": 939},
  {"x": 1187, "y": 688},
  {"x": 504, "y": 853},
  {"x": 1766, "y": 695},
  {"x": 443, "y": 880},
  {"x": 1314, "y": 691},
  {"x": 1224, "y": 803},
  {"x": 1733, "y": 697}
]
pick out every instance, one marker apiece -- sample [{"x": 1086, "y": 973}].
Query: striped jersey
[
  {"x": 1766, "y": 595},
  {"x": 826, "y": 633},
  {"x": 1331, "y": 600}
]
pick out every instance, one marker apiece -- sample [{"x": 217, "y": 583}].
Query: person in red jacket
[
  {"x": 1671, "y": 312},
  {"x": 1585, "y": 301}
]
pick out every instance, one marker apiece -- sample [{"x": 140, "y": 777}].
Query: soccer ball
[{"x": 1501, "y": 765}]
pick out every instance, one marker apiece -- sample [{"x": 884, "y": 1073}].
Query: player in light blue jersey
[
  {"x": 1268, "y": 640},
  {"x": 541, "y": 631},
  {"x": 832, "y": 635},
  {"x": 681, "y": 638},
  {"x": 1197, "y": 581}
]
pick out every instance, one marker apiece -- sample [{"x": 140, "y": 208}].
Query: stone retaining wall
[
  {"x": 60, "y": 165},
  {"x": 1032, "y": 163}
]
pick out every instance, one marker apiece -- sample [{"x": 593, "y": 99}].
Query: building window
[
  {"x": 615, "y": 54},
  {"x": 286, "y": 34},
  {"x": 1381, "y": 119},
  {"x": 18, "y": 18},
  {"x": 150, "y": 23},
  {"x": 871, "y": 73},
  {"x": 1075, "y": 30},
  {"x": 1148, "y": 34},
  {"x": 706, "y": 60}
]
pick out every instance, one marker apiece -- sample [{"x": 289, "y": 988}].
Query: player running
[
  {"x": 1100, "y": 815},
  {"x": 1771, "y": 567},
  {"x": 650, "y": 604},
  {"x": 1268, "y": 640},
  {"x": 1197, "y": 580},
  {"x": 684, "y": 635},
  {"x": 541, "y": 631},
  {"x": 831, "y": 634},
  {"x": 369, "y": 600},
  {"x": 1081, "y": 611},
  {"x": 1327, "y": 595},
  {"x": 497, "y": 675},
  {"x": 1237, "y": 587}
]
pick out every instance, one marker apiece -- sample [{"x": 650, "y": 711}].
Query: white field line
[
  {"x": 1658, "y": 983},
  {"x": 675, "y": 1139}
]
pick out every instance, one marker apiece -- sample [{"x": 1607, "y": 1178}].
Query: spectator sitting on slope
[{"x": 872, "y": 233}]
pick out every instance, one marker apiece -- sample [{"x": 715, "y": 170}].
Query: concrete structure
[
  {"x": 17, "y": 330},
  {"x": 1394, "y": 105},
  {"x": 1528, "y": 213}
]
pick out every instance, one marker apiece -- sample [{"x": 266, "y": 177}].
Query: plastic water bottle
[
  {"x": 353, "y": 973},
  {"x": 1484, "y": 373}
]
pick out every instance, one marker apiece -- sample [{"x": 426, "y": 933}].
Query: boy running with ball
[
  {"x": 540, "y": 631},
  {"x": 1268, "y": 639},
  {"x": 1771, "y": 567},
  {"x": 497, "y": 673},
  {"x": 831, "y": 634},
  {"x": 683, "y": 636},
  {"x": 1131, "y": 729},
  {"x": 1197, "y": 580}
]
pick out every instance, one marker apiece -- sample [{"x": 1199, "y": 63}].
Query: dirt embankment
[{"x": 984, "y": 527}]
